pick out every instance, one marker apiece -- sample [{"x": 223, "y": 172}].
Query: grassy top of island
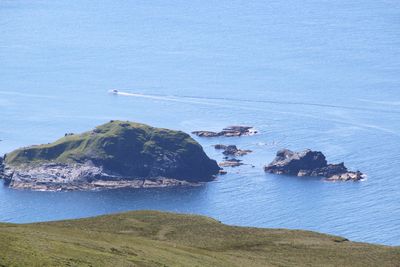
[
  {"x": 102, "y": 143},
  {"x": 126, "y": 148},
  {"x": 151, "y": 238}
]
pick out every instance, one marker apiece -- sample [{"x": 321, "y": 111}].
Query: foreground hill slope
[
  {"x": 150, "y": 238},
  {"x": 111, "y": 155}
]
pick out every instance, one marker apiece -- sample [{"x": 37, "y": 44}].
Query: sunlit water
[{"x": 307, "y": 74}]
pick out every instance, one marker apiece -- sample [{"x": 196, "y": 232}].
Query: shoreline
[{"x": 80, "y": 177}]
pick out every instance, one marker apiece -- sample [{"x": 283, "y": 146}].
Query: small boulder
[{"x": 222, "y": 172}]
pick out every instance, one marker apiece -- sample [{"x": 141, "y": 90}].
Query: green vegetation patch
[{"x": 150, "y": 238}]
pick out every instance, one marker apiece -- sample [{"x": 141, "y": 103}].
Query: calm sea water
[{"x": 307, "y": 74}]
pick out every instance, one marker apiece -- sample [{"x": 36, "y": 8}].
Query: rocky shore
[
  {"x": 114, "y": 155},
  {"x": 310, "y": 163},
  {"x": 231, "y": 131},
  {"x": 70, "y": 177}
]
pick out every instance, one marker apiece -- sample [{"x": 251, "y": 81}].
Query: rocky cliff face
[
  {"x": 310, "y": 163},
  {"x": 115, "y": 153}
]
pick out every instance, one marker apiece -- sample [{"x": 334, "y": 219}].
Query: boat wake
[
  {"x": 193, "y": 99},
  {"x": 224, "y": 102}
]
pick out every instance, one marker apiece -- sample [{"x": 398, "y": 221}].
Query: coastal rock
[
  {"x": 231, "y": 131},
  {"x": 206, "y": 133},
  {"x": 229, "y": 152},
  {"x": 238, "y": 131},
  {"x": 347, "y": 176},
  {"x": 231, "y": 163},
  {"x": 310, "y": 163},
  {"x": 1, "y": 167},
  {"x": 222, "y": 172},
  {"x": 116, "y": 154},
  {"x": 232, "y": 150},
  {"x": 70, "y": 177}
]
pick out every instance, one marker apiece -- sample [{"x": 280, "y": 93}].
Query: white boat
[{"x": 114, "y": 91}]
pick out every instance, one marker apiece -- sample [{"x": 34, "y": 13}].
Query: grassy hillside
[
  {"x": 149, "y": 238},
  {"x": 128, "y": 149}
]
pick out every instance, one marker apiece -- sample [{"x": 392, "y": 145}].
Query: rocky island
[
  {"x": 114, "y": 155},
  {"x": 310, "y": 163}
]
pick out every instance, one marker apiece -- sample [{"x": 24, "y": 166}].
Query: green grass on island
[
  {"x": 151, "y": 238},
  {"x": 127, "y": 148},
  {"x": 112, "y": 139}
]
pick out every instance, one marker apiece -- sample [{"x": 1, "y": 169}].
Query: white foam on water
[{"x": 205, "y": 101}]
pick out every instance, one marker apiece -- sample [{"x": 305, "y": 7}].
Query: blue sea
[{"x": 312, "y": 74}]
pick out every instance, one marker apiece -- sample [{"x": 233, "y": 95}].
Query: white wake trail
[
  {"x": 206, "y": 102},
  {"x": 187, "y": 100}
]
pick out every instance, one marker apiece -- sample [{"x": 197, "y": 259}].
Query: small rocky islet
[
  {"x": 231, "y": 131},
  {"x": 310, "y": 163},
  {"x": 114, "y": 155},
  {"x": 231, "y": 152}
]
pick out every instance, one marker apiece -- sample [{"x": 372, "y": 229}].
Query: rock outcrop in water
[
  {"x": 113, "y": 155},
  {"x": 231, "y": 163},
  {"x": 231, "y": 131},
  {"x": 229, "y": 152},
  {"x": 310, "y": 163},
  {"x": 232, "y": 150}
]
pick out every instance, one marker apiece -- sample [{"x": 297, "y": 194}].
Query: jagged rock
[
  {"x": 231, "y": 163},
  {"x": 347, "y": 176},
  {"x": 116, "y": 154},
  {"x": 69, "y": 177},
  {"x": 238, "y": 131},
  {"x": 232, "y": 150},
  {"x": 206, "y": 133},
  {"x": 310, "y": 163},
  {"x": 230, "y": 131}
]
